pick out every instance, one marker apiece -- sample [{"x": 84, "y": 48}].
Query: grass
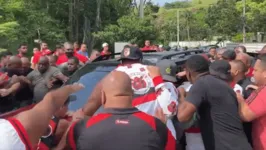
[
  {"x": 203, "y": 2},
  {"x": 196, "y": 4}
]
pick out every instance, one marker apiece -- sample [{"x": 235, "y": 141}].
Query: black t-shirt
[
  {"x": 68, "y": 73},
  {"x": 220, "y": 124},
  {"x": 244, "y": 83}
]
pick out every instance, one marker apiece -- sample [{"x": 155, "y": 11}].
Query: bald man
[
  {"x": 42, "y": 79},
  {"x": 14, "y": 65},
  {"x": 128, "y": 128},
  {"x": 238, "y": 72},
  {"x": 26, "y": 66},
  {"x": 247, "y": 60}
]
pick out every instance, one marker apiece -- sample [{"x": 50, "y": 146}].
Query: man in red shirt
[
  {"x": 253, "y": 109},
  {"x": 76, "y": 46},
  {"x": 44, "y": 49},
  {"x": 44, "y": 52},
  {"x": 105, "y": 50},
  {"x": 69, "y": 52},
  {"x": 22, "y": 50},
  {"x": 147, "y": 46}
]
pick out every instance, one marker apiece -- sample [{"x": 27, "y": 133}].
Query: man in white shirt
[{"x": 150, "y": 91}]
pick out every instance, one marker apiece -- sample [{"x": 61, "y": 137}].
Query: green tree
[
  {"x": 129, "y": 29},
  {"x": 255, "y": 15},
  {"x": 223, "y": 18}
]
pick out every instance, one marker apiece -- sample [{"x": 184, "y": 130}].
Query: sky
[{"x": 162, "y": 2}]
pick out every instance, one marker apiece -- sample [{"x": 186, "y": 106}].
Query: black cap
[
  {"x": 168, "y": 69},
  {"x": 229, "y": 55},
  {"x": 221, "y": 69},
  {"x": 131, "y": 52}
]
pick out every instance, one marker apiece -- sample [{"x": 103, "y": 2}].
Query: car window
[
  {"x": 153, "y": 60},
  {"x": 89, "y": 80}
]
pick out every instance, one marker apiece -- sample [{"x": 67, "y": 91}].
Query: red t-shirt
[
  {"x": 81, "y": 58},
  {"x": 103, "y": 53},
  {"x": 37, "y": 55},
  {"x": 250, "y": 72},
  {"x": 257, "y": 102},
  {"x": 76, "y": 50},
  {"x": 63, "y": 58},
  {"x": 146, "y": 48}
]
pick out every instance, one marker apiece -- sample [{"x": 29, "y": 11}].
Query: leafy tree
[
  {"x": 223, "y": 18},
  {"x": 129, "y": 29},
  {"x": 255, "y": 15}
]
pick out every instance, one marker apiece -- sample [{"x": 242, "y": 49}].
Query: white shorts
[{"x": 13, "y": 135}]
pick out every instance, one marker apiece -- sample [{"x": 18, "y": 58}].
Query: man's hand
[
  {"x": 252, "y": 87},
  {"x": 160, "y": 115},
  {"x": 181, "y": 74},
  {"x": 78, "y": 115},
  {"x": 50, "y": 83},
  {"x": 62, "y": 78},
  {"x": 239, "y": 97},
  {"x": 153, "y": 71},
  {"x": 24, "y": 79},
  {"x": 5, "y": 92}
]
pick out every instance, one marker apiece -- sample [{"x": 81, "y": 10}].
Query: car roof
[{"x": 155, "y": 56}]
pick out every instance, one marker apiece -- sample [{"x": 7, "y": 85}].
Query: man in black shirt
[
  {"x": 72, "y": 66},
  {"x": 216, "y": 103},
  {"x": 238, "y": 70}
]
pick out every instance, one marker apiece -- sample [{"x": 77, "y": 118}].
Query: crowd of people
[
  {"x": 25, "y": 81},
  {"x": 219, "y": 107}
]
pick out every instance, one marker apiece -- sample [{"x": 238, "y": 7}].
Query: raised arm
[
  {"x": 166, "y": 96},
  {"x": 14, "y": 88},
  {"x": 36, "y": 120}
]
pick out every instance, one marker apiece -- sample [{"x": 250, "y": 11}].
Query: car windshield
[
  {"x": 151, "y": 59},
  {"x": 89, "y": 80}
]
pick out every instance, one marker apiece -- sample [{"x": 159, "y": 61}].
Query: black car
[{"x": 92, "y": 73}]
